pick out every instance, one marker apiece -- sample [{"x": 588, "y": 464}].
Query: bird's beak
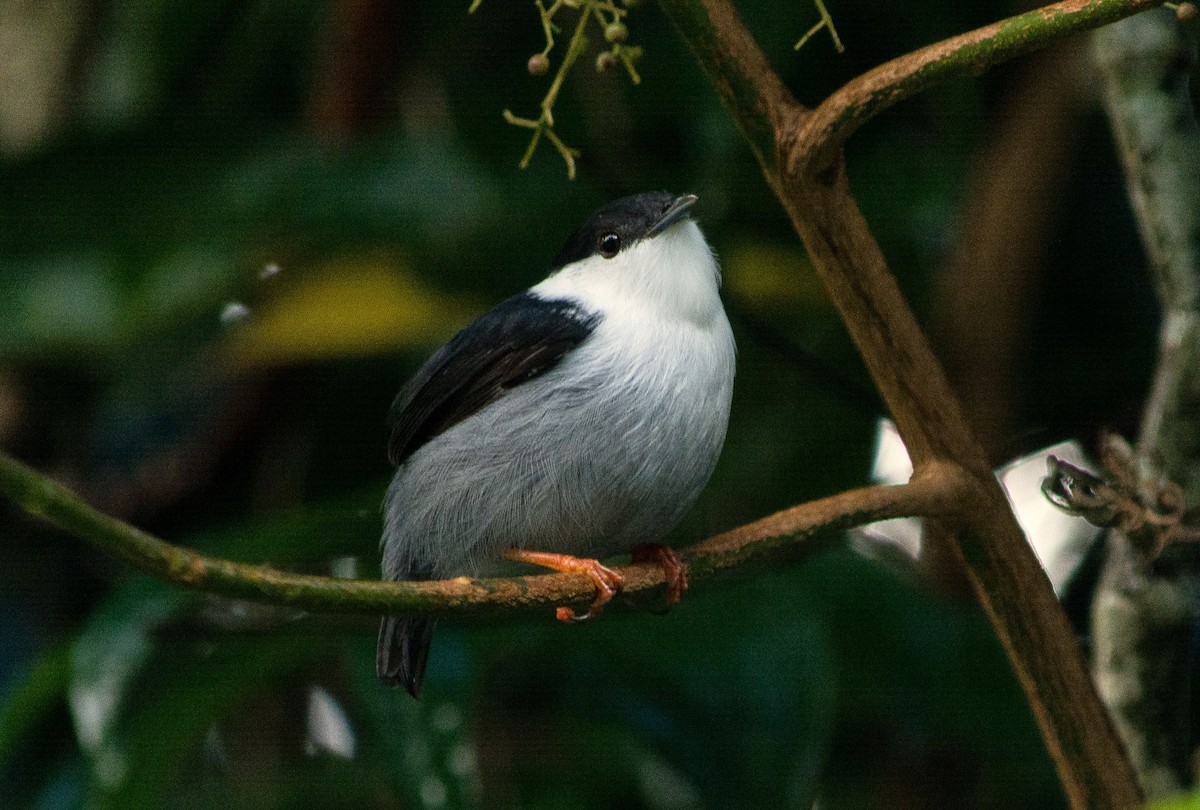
[{"x": 677, "y": 210}]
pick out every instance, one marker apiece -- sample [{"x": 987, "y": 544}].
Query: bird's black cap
[{"x": 629, "y": 219}]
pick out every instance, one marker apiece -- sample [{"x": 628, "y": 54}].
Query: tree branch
[
  {"x": 938, "y": 490},
  {"x": 861, "y": 99},
  {"x": 802, "y": 162},
  {"x": 1146, "y": 64},
  {"x": 1141, "y": 616}
]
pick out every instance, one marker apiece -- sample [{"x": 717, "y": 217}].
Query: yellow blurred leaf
[
  {"x": 770, "y": 279},
  {"x": 348, "y": 308}
]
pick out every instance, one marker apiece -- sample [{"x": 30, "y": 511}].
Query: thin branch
[
  {"x": 826, "y": 21},
  {"x": 938, "y": 491},
  {"x": 544, "y": 124},
  {"x": 615, "y": 33},
  {"x": 861, "y": 99}
]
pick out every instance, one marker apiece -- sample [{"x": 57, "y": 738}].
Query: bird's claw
[
  {"x": 674, "y": 569},
  {"x": 566, "y": 614},
  {"x": 607, "y": 581},
  {"x": 608, "y": 584}
]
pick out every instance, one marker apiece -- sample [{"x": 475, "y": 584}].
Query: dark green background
[{"x": 192, "y": 144}]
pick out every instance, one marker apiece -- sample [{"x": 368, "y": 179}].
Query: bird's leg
[
  {"x": 607, "y": 581},
  {"x": 674, "y": 571}
]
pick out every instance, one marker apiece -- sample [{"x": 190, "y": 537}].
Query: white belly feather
[{"x": 594, "y": 456}]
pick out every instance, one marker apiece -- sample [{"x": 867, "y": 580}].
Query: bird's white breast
[{"x": 607, "y": 449}]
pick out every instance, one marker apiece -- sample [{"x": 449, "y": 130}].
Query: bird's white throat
[{"x": 673, "y": 276}]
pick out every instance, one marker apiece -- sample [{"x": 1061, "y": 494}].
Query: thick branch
[
  {"x": 937, "y": 491},
  {"x": 1008, "y": 580},
  {"x": 1146, "y": 64},
  {"x": 805, "y": 168},
  {"x": 1141, "y": 617}
]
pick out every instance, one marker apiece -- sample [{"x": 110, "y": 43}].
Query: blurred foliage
[
  {"x": 229, "y": 231},
  {"x": 1189, "y": 802}
]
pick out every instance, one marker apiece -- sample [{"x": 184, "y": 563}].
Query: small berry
[
  {"x": 538, "y": 64},
  {"x": 616, "y": 32},
  {"x": 1186, "y": 12},
  {"x": 605, "y": 61}
]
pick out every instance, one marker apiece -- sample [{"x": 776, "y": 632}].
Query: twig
[
  {"x": 544, "y": 123},
  {"x": 826, "y": 21},
  {"x": 939, "y": 490},
  {"x": 615, "y": 33},
  {"x": 1149, "y": 512}
]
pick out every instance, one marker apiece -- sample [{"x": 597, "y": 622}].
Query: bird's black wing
[{"x": 516, "y": 341}]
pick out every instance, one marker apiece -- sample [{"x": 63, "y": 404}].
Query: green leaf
[
  {"x": 116, "y": 651},
  {"x": 31, "y": 699},
  {"x": 192, "y": 686}
]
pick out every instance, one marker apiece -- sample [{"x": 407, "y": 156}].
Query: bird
[{"x": 572, "y": 422}]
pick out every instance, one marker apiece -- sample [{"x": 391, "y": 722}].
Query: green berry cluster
[{"x": 609, "y": 17}]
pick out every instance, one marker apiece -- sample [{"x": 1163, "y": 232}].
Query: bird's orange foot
[
  {"x": 607, "y": 581},
  {"x": 674, "y": 571}
]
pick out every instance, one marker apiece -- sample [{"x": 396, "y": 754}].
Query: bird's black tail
[{"x": 402, "y": 652}]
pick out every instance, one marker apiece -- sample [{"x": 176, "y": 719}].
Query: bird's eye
[{"x": 610, "y": 245}]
